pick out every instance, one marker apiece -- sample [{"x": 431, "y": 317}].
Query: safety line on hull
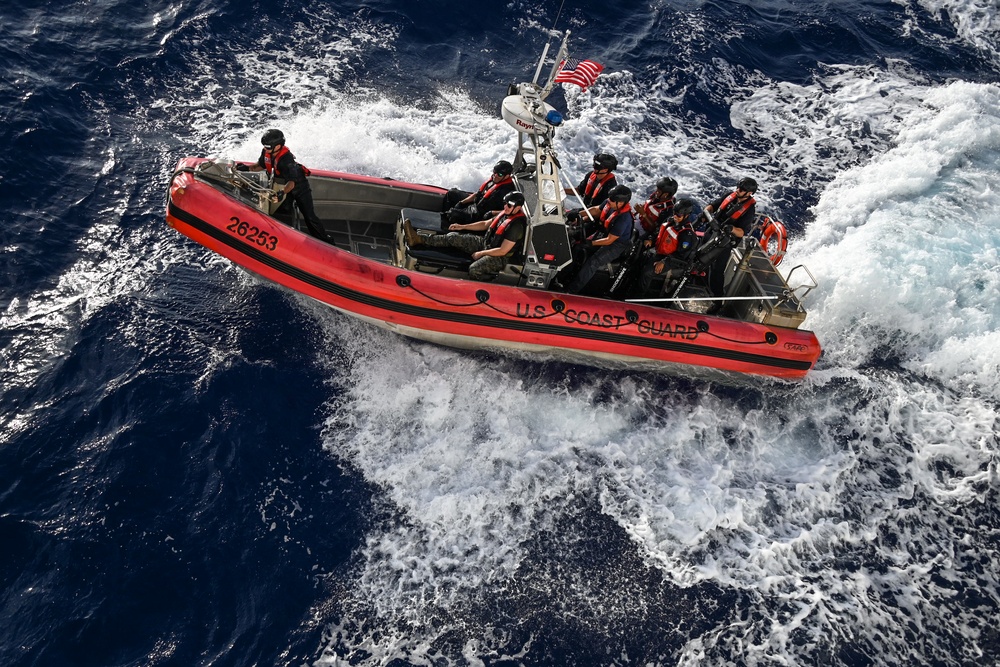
[
  {"x": 482, "y": 299},
  {"x": 295, "y": 272}
]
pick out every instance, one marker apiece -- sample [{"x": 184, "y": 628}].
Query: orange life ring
[{"x": 774, "y": 231}]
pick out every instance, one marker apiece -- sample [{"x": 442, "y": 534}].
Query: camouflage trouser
[{"x": 484, "y": 268}]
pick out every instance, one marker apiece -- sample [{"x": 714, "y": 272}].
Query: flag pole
[{"x": 541, "y": 62}]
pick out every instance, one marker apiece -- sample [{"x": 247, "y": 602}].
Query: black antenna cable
[{"x": 558, "y": 14}]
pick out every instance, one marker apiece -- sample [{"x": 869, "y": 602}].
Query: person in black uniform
[
  {"x": 596, "y": 185},
  {"x": 593, "y": 191},
  {"x": 279, "y": 163},
  {"x": 738, "y": 211},
  {"x": 463, "y": 207}
]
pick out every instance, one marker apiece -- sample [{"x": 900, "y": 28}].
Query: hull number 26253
[{"x": 251, "y": 233}]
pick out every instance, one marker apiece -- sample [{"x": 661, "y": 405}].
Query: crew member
[
  {"x": 610, "y": 242},
  {"x": 675, "y": 244},
  {"x": 738, "y": 210},
  {"x": 596, "y": 185},
  {"x": 656, "y": 210},
  {"x": 280, "y": 164},
  {"x": 465, "y": 207},
  {"x": 490, "y": 251}
]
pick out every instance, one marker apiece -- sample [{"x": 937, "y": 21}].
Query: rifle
[
  {"x": 720, "y": 240},
  {"x": 629, "y": 262}
]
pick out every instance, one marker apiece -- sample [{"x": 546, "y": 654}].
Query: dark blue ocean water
[{"x": 198, "y": 468}]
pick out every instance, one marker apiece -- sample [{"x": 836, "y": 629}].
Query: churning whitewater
[{"x": 202, "y": 468}]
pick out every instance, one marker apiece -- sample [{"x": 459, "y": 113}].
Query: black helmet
[
  {"x": 684, "y": 207},
  {"x": 605, "y": 161},
  {"x": 747, "y": 184},
  {"x": 515, "y": 198},
  {"x": 272, "y": 138},
  {"x": 503, "y": 168},
  {"x": 620, "y": 194},
  {"x": 667, "y": 185}
]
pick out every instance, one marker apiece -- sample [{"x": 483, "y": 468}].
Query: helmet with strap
[
  {"x": 605, "y": 161},
  {"x": 620, "y": 194},
  {"x": 667, "y": 186},
  {"x": 273, "y": 137}
]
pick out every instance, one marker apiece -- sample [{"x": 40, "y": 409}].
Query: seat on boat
[
  {"x": 441, "y": 258},
  {"x": 425, "y": 257}
]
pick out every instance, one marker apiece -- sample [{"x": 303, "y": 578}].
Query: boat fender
[{"x": 773, "y": 230}]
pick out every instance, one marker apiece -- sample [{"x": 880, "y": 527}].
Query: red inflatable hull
[{"x": 468, "y": 314}]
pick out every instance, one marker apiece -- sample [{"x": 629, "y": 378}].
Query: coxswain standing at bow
[{"x": 278, "y": 161}]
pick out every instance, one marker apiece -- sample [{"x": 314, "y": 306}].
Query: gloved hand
[
  {"x": 727, "y": 233},
  {"x": 242, "y": 167},
  {"x": 573, "y": 216}
]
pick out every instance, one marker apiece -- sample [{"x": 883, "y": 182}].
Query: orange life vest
[
  {"x": 485, "y": 190},
  {"x": 498, "y": 226},
  {"x": 594, "y": 184},
  {"x": 667, "y": 240},
  {"x": 650, "y": 210},
  {"x": 738, "y": 212},
  {"x": 271, "y": 163},
  {"x": 609, "y": 213}
]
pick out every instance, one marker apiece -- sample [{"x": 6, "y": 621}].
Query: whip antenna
[
  {"x": 545, "y": 52},
  {"x": 558, "y": 14}
]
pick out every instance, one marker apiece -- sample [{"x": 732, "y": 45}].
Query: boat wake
[{"x": 551, "y": 511}]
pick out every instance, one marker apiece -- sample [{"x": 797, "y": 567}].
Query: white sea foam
[
  {"x": 774, "y": 501},
  {"x": 798, "y": 502},
  {"x": 977, "y": 22},
  {"x": 907, "y": 245},
  {"x": 840, "y": 510}
]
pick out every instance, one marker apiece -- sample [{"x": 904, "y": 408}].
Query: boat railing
[
  {"x": 807, "y": 286},
  {"x": 250, "y": 187}
]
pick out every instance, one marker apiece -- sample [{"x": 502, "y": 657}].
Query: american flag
[{"x": 581, "y": 72}]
